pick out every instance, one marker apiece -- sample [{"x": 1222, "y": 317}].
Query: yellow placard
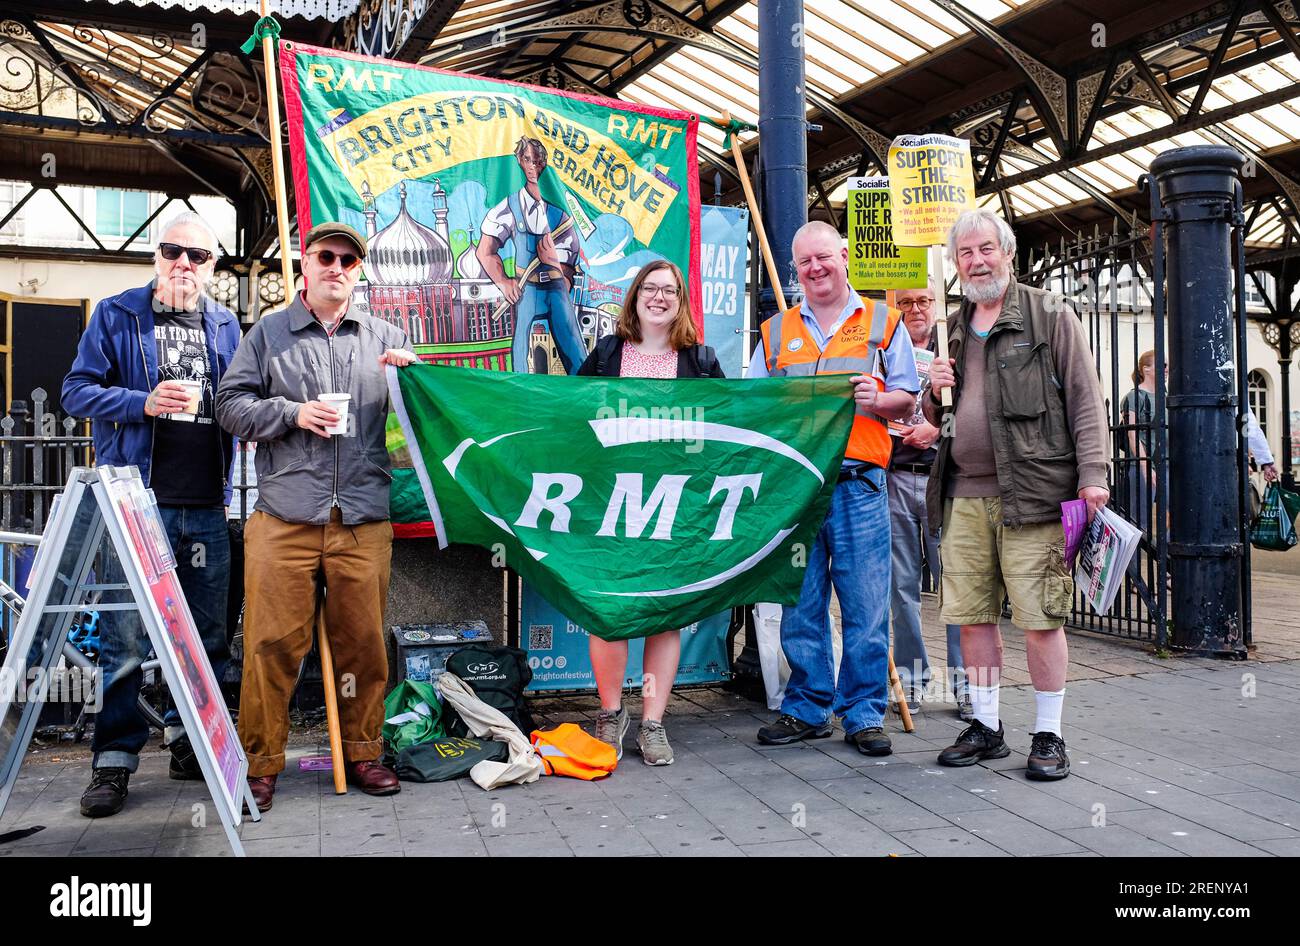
[
  {"x": 931, "y": 183},
  {"x": 433, "y": 131},
  {"x": 875, "y": 260}
]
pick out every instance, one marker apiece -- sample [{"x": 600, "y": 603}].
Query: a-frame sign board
[{"x": 111, "y": 503}]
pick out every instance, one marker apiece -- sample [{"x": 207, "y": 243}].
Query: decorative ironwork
[
  {"x": 87, "y": 76},
  {"x": 637, "y": 12},
  {"x": 227, "y": 90},
  {"x": 1050, "y": 84},
  {"x": 30, "y": 85},
  {"x": 380, "y": 27},
  {"x": 1272, "y": 334},
  {"x": 270, "y": 287},
  {"x": 667, "y": 24}
]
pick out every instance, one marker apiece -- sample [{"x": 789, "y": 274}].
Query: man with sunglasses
[
  {"x": 320, "y": 536},
  {"x": 145, "y": 374}
]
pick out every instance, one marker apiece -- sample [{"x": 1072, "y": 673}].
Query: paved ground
[{"x": 1171, "y": 756}]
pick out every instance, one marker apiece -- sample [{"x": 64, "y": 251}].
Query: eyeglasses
[
  {"x": 668, "y": 292},
  {"x": 916, "y": 303},
  {"x": 172, "y": 251},
  {"x": 348, "y": 261}
]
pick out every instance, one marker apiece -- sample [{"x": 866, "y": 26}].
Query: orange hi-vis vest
[
  {"x": 567, "y": 750},
  {"x": 792, "y": 352}
]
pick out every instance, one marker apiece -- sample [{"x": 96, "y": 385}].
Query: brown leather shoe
[
  {"x": 373, "y": 778},
  {"x": 263, "y": 788}
]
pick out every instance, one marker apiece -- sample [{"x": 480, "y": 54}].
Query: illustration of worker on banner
[{"x": 546, "y": 255}]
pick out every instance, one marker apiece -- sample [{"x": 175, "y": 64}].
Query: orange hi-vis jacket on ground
[
  {"x": 792, "y": 352},
  {"x": 567, "y": 750}
]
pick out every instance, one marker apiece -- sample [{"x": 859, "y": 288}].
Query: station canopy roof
[{"x": 1062, "y": 120}]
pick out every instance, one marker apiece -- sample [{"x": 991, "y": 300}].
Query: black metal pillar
[
  {"x": 1196, "y": 188},
  {"x": 1284, "y": 282},
  {"x": 782, "y": 194},
  {"x": 782, "y": 136}
]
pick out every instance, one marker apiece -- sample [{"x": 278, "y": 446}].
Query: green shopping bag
[
  {"x": 1274, "y": 527},
  {"x": 412, "y": 715}
]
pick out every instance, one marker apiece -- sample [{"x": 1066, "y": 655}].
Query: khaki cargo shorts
[{"x": 983, "y": 560}]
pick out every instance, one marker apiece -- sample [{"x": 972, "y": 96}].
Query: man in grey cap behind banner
[{"x": 308, "y": 386}]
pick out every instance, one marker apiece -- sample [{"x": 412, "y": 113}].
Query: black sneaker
[
  {"x": 787, "y": 729},
  {"x": 873, "y": 741},
  {"x": 1047, "y": 759},
  {"x": 184, "y": 766},
  {"x": 976, "y": 742},
  {"x": 106, "y": 793}
]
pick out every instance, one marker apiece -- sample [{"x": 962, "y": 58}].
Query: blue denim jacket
[{"x": 116, "y": 368}]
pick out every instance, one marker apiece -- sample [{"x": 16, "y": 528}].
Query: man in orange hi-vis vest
[{"x": 834, "y": 331}]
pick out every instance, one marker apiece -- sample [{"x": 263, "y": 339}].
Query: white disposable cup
[
  {"x": 340, "y": 403},
  {"x": 194, "y": 391}
]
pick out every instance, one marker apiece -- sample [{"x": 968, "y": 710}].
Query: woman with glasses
[{"x": 654, "y": 337}]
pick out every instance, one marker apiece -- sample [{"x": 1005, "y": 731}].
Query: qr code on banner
[{"x": 541, "y": 636}]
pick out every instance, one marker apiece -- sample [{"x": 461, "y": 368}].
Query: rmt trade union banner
[
  {"x": 633, "y": 505},
  {"x": 504, "y": 222}
]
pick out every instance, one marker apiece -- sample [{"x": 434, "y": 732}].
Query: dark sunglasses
[
  {"x": 172, "y": 251},
  {"x": 348, "y": 261}
]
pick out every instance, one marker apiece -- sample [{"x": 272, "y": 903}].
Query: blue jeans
[
  {"x": 851, "y": 551},
  {"x": 549, "y": 301},
  {"x": 910, "y": 535},
  {"x": 200, "y": 541}
]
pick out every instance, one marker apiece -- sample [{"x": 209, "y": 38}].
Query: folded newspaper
[{"x": 1106, "y": 548}]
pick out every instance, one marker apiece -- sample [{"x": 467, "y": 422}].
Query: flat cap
[{"x": 323, "y": 230}]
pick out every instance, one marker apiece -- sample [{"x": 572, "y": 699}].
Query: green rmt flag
[{"x": 633, "y": 505}]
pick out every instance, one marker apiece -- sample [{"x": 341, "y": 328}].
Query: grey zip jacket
[{"x": 287, "y": 359}]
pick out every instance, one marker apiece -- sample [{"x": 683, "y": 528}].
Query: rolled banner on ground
[{"x": 633, "y": 505}]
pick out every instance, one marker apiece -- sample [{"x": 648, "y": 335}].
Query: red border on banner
[{"x": 298, "y": 147}]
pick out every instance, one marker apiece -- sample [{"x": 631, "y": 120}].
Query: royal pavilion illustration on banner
[{"x": 428, "y": 281}]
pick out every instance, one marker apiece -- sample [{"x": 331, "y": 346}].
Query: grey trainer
[
  {"x": 611, "y": 727},
  {"x": 652, "y": 743}
]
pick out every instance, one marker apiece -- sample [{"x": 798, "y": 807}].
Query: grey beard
[{"x": 990, "y": 292}]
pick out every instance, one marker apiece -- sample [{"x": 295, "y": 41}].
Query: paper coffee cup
[
  {"x": 340, "y": 403},
  {"x": 194, "y": 391}
]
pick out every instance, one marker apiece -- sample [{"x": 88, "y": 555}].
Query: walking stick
[
  {"x": 896, "y": 688},
  {"x": 331, "y": 699}
]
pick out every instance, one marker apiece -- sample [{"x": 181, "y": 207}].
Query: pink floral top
[{"x": 637, "y": 365}]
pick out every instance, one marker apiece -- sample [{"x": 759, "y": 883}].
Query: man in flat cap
[{"x": 308, "y": 386}]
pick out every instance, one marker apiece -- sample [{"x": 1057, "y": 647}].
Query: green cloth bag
[
  {"x": 1274, "y": 527},
  {"x": 441, "y": 759},
  {"x": 412, "y": 715}
]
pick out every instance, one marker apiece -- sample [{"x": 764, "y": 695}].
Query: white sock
[
  {"x": 984, "y": 700},
  {"x": 1049, "y": 710}
]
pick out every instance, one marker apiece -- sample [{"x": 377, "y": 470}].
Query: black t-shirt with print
[{"x": 187, "y": 461}]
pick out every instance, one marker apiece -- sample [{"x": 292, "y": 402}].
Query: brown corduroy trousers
[{"x": 283, "y": 564}]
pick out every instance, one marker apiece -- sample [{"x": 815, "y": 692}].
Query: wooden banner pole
[
  {"x": 277, "y": 158},
  {"x": 773, "y": 276},
  {"x": 939, "y": 285}
]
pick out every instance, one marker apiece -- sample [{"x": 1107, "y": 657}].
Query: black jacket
[{"x": 606, "y": 360}]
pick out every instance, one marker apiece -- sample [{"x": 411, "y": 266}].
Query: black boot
[{"x": 106, "y": 793}]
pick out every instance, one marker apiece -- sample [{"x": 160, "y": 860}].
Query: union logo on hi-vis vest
[
  {"x": 795, "y": 344},
  {"x": 633, "y": 505}
]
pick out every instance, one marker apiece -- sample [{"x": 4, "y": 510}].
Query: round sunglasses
[
  {"x": 172, "y": 251},
  {"x": 348, "y": 261}
]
